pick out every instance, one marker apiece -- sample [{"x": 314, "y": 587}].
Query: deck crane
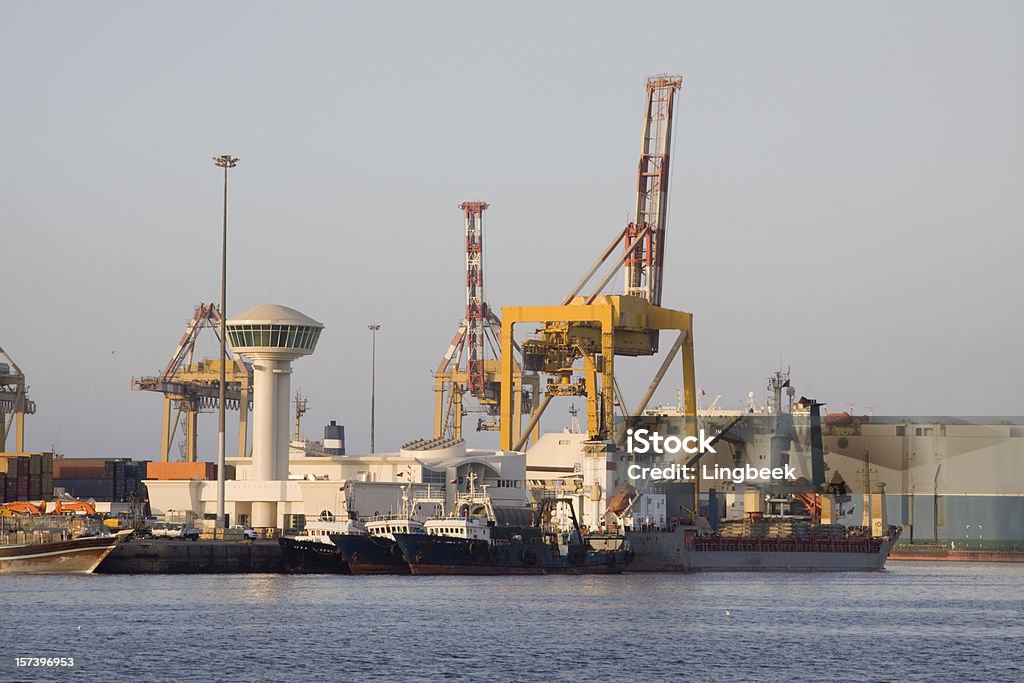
[
  {"x": 470, "y": 369},
  {"x": 190, "y": 387},
  {"x": 14, "y": 403},
  {"x": 596, "y": 328}
]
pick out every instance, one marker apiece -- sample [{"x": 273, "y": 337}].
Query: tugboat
[
  {"x": 312, "y": 551},
  {"x": 373, "y": 550},
  {"x": 474, "y": 545}
]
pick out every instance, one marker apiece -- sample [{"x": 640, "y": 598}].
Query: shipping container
[
  {"x": 35, "y": 487},
  {"x": 181, "y": 470}
]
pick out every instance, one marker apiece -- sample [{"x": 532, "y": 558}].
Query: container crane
[
  {"x": 595, "y": 329},
  {"x": 470, "y": 369},
  {"x": 14, "y": 403},
  {"x": 190, "y": 387}
]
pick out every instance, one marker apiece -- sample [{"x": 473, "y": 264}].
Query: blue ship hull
[
  {"x": 365, "y": 554},
  {"x": 431, "y": 555}
]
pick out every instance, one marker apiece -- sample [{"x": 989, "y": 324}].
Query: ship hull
[
  {"x": 365, "y": 554},
  {"x": 439, "y": 555},
  {"x": 679, "y": 550},
  {"x": 300, "y": 556},
  {"x": 75, "y": 556}
]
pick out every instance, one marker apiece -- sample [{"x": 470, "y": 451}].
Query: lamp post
[
  {"x": 373, "y": 377},
  {"x": 224, "y": 161}
]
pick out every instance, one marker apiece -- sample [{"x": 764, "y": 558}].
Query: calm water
[{"x": 916, "y": 621}]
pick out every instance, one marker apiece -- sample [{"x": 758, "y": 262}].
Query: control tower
[{"x": 272, "y": 336}]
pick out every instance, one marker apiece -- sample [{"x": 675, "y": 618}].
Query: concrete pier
[{"x": 193, "y": 557}]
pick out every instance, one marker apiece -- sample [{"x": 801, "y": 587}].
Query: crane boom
[
  {"x": 476, "y": 308},
  {"x": 646, "y": 253}
]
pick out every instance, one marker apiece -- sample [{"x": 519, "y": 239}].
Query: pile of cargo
[
  {"x": 26, "y": 476},
  {"x": 759, "y": 528},
  {"x": 113, "y": 479},
  {"x": 782, "y": 529},
  {"x": 18, "y": 529}
]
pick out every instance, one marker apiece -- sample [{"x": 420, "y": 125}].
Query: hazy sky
[{"x": 846, "y": 199}]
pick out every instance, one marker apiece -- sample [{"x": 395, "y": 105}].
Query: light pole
[
  {"x": 373, "y": 377},
  {"x": 224, "y": 161}
]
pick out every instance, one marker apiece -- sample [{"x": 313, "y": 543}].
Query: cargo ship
[
  {"x": 823, "y": 548},
  {"x": 806, "y": 521}
]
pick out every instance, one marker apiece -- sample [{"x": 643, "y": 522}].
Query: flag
[{"x": 454, "y": 481}]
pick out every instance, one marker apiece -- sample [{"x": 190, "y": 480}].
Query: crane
[
  {"x": 189, "y": 387},
  {"x": 595, "y": 329},
  {"x": 469, "y": 368},
  {"x": 14, "y": 403}
]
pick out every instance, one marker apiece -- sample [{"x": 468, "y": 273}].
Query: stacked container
[{"x": 26, "y": 476}]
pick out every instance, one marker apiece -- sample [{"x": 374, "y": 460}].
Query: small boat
[
  {"x": 54, "y": 554},
  {"x": 373, "y": 551},
  {"x": 312, "y": 551}
]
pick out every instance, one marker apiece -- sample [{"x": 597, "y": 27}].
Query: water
[{"x": 916, "y": 621}]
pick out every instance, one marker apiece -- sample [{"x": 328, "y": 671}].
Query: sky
[{"x": 845, "y": 201}]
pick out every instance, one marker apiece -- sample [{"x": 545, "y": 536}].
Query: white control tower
[{"x": 272, "y": 336}]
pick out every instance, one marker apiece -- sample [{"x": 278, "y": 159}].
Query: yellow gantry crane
[
  {"x": 14, "y": 403},
  {"x": 191, "y": 387},
  {"x": 586, "y": 333},
  {"x": 467, "y": 379}
]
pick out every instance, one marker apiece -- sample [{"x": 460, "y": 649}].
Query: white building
[{"x": 357, "y": 486}]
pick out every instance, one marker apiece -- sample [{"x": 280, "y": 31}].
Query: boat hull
[
  {"x": 680, "y": 550},
  {"x": 74, "y": 556},
  {"x": 365, "y": 554},
  {"x": 300, "y": 556},
  {"x": 440, "y": 555}
]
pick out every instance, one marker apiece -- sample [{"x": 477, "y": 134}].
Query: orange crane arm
[{"x": 25, "y": 507}]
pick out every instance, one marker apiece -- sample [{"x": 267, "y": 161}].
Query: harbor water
[{"x": 914, "y": 621}]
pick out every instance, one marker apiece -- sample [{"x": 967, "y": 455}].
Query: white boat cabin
[
  {"x": 472, "y": 528},
  {"x": 319, "y": 530},
  {"x": 388, "y": 527}
]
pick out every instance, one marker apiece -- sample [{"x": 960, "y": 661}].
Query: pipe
[
  {"x": 534, "y": 419},
  {"x": 618, "y": 264},
  {"x": 593, "y": 269},
  {"x": 656, "y": 381}
]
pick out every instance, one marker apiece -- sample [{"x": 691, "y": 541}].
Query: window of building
[{"x": 429, "y": 476}]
